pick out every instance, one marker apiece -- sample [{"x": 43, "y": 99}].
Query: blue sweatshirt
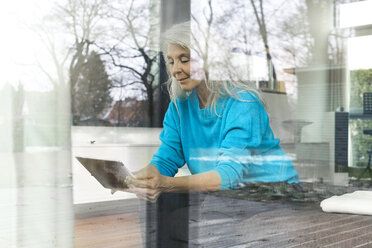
[{"x": 238, "y": 143}]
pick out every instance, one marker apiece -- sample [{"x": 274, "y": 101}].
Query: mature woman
[{"x": 220, "y": 129}]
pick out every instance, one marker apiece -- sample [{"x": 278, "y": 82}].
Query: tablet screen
[{"x": 110, "y": 174}]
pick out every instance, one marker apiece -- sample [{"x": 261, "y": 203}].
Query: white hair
[{"x": 180, "y": 34}]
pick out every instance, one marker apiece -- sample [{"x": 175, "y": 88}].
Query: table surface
[{"x": 227, "y": 222}]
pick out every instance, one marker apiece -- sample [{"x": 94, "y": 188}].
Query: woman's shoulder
[
  {"x": 244, "y": 102},
  {"x": 241, "y": 96}
]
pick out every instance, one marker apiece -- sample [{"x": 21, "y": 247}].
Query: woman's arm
[
  {"x": 149, "y": 183},
  {"x": 206, "y": 181}
]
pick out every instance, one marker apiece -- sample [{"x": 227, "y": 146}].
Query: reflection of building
[{"x": 128, "y": 112}]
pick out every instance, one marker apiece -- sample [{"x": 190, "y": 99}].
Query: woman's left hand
[{"x": 147, "y": 184}]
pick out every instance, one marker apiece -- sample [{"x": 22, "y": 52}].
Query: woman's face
[{"x": 179, "y": 64}]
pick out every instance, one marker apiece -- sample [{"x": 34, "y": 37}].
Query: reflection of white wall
[
  {"x": 360, "y": 52},
  {"x": 133, "y": 146},
  {"x": 279, "y": 110},
  {"x": 87, "y": 188},
  {"x": 249, "y": 67},
  {"x": 312, "y": 100},
  {"x": 355, "y": 14}
]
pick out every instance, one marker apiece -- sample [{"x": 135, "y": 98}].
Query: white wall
[{"x": 133, "y": 146}]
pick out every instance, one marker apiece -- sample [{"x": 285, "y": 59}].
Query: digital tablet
[{"x": 110, "y": 174}]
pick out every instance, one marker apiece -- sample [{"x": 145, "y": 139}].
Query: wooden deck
[{"x": 227, "y": 222}]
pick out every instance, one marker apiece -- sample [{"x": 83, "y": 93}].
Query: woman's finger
[
  {"x": 131, "y": 190},
  {"x": 145, "y": 197},
  {"x": 135, "y": 190},
  {"x": 149, "y": 196},
  {"x": 145, "y": 191},
  {"x": 154, "y": 197},
  {"x": 142, "y": 197},
  {"x": 151, "y": 192},
  {"x": 138, "y": 183}
]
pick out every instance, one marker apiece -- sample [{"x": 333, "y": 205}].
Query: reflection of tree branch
[
  {"x": 121, "y": 85},
  {"x": 51, "y": 79},
  {"x": 198, "y": 49},
  {"x": 59, "y": 64},
  {"x": 137, "y": 89},
  {"x": 109, "y": 53},
  {"x": 260, "y": 17},
  {"x": 202, "y": 48},
  {"x": 130, "y": 56}
]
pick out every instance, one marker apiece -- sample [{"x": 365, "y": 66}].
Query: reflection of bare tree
[
  {"x": 211, "y": 45},
  {"x": 131, "y": 52},
  {"x": 54, "y": 68},
  {"x": 296, "y": 39},
  {"x": 81, "y": 18},
  {"x": 59, "y": 61},
  {"x": 202, "y": 45},
  {"x": 243, "y": 25},
  {"x": 260, "y": 17},
  {"x": 119, "y": 32}
]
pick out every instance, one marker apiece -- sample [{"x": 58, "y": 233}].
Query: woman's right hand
[{"x": 148, "y": 183}]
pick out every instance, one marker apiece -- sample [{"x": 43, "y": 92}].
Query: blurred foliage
[{"x": 360, "y": 82}]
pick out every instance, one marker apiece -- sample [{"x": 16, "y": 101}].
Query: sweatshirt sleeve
[
  {"x": 169, "y": 156},
  {"x": 246, "y": 123}
]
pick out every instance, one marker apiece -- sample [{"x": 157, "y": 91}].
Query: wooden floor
[
  {"x": 113, "y": 224},
  {"x": 226, "y": 222},
  {"x": 108, "y": 231}
]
